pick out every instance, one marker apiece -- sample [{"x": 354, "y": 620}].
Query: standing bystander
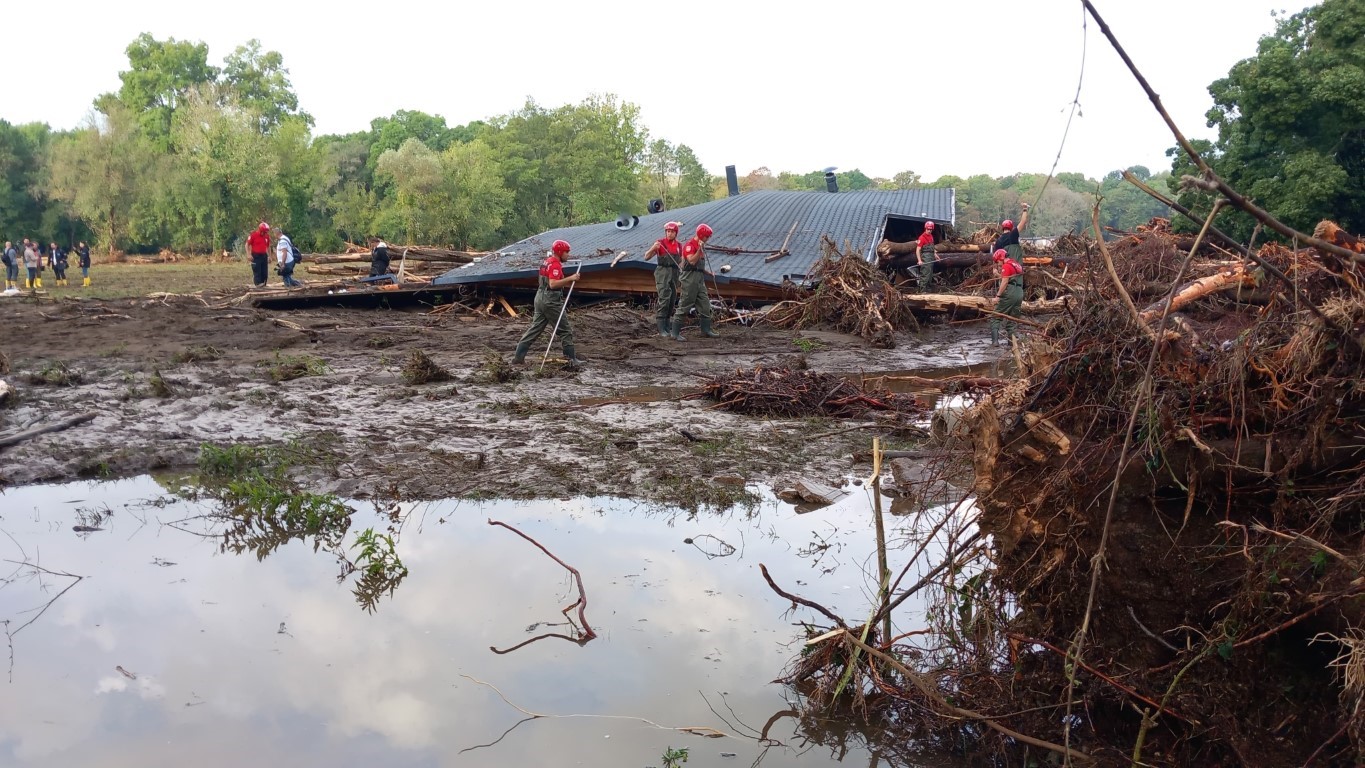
[{"x": 258, "y": 243}]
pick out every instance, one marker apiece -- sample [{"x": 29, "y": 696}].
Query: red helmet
[
  {"x": 704, "y": 231},
  {"x": 673, "y": 225},
  {"x": 263, "y": 226},
  {"x": 1007, "y": 225},
  {"x": 929, "y": 226},
  {"x": 560, "y": 248},
  {"x": 1000, "y": 254}
]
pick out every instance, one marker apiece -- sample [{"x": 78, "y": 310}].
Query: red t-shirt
[
  {"x": 1010, "y": 268},
  {"x": 552, "y": 268},
  {"x": 671, "y": 247},
  {"x": 925, "y": 240},
  {"x": 693, "y": 246},
  {"x": 258, "y": 242}
]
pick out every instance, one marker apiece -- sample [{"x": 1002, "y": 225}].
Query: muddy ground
[{"x": 165, "y": 376}]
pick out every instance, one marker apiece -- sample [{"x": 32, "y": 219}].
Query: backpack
[{"x": 298, "y": 257}]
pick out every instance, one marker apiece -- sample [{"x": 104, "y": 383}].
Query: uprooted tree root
[
  {"x": 787, "y": 393},
  {"x": 851, "y": 296},
  {"x": 420, "y": 369},
  {"x": 1227, "y": 626}
]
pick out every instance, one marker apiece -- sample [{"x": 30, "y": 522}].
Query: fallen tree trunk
[
  {"x": 891, "y": 248},
  {"x": 455, "y": 257},
  {"x": 948, "y": 302},
  {"x": 57, "y": 426},
  {"x": 1198, "y": 289}
]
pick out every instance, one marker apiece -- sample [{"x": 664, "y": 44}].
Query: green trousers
[
  {"x": 666, "y": 284},
  {"x": 1011, "y": 304},
  {"x": 548, "y": 305},
  {"x": 693, "y": 294},
  {"x": 926, "y": 268}
]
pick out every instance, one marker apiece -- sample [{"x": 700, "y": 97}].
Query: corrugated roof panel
[{"x": 755, "y": 221}]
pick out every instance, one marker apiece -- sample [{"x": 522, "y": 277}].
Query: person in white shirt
[{"x": 284, "y": 259}]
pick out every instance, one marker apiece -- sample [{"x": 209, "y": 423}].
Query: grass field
[{"x": 117, "y": 281}]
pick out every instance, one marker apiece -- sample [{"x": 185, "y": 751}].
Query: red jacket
[{"x": 258, "y": 243}]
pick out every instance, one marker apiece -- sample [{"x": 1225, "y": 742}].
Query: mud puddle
[{"x": 167, "y": 646}]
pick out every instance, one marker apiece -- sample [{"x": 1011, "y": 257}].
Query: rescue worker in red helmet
[
  {"x": 666, "y": 274},
  {"x": 549, "y": 305},
  {"x": 1009, "y": 236},
  {"x": 924, "y": 251},
  {"x": 258, "y": 244},
  {"x": 693, "y": 280},
  {"x": 1009, "y": 297}
]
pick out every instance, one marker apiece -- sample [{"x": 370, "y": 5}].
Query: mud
[{"x": 164, "y": 377}]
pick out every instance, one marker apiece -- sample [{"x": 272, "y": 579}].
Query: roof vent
[
  {"x": 731, "y": 180},
  {"x": 656, "y": 205},
  {"x": 831, "y": 181},
  {"x": 624, "y": 222}
]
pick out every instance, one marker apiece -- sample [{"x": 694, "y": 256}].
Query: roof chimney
[
  {"x": 831, "y": 183},
  {"x": 731, "y": 180}
]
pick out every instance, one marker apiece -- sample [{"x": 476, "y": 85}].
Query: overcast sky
[{"x": 964, "y": 87}]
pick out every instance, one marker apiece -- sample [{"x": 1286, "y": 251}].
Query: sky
[{"x": 963, "y": 87}]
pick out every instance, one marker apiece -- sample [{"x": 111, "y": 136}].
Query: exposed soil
[{"x": 166, "y": 376}]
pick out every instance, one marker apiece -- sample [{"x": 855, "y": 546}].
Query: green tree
[
  {"x": 416, "y": 174},
  {"x": 99, "y": 171},
  {"x": 694, "y": 183},
  {"x": 906, "y": 180},
  {"x": 160, "y": 75},
  {"x": 661, "y": 166},
  {"x": 23, "y": 160},
  {"x": 259, "y": 82},
  {"x": 392, "y": 132},
  {"x": 1291, "y": 121}
]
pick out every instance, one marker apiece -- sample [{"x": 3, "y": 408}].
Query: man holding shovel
[
  {"x": 549, "y": 305},
  {"x": 693, "y": 294}
]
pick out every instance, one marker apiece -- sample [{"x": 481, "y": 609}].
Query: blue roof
[{"x": 754, "y": 221}]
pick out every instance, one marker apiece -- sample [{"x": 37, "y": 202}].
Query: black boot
[
  {"x": 663, "y": 328},
  {"x": 520, "y": 356},
  {"x": 572, "y": 357},
  {"x": 706, "y": 328},
  {"x": 675, "y": 331}
]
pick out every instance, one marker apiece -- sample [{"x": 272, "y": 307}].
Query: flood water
[{"x": 171, "y": 652}]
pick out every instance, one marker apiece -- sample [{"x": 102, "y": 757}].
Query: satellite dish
[{"x": 624, "y": 222}]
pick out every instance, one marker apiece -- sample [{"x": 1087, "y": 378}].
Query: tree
[
  {"x": 661, "y": 165},
  {"x": 759, "y": 178},
  {"x": 259, "y": 83},
  {"x": 905, "y": 180},
  {"x": 23, "y": 157},
  {"x": 160, "y": 75},
  {"x": 415, "y": 172},
  {"x": 98, "y": 172},
  {"x": 694, "y": 183},
  {"x": 1291, "y": 121},
  {"x": 392, "y": 132}
]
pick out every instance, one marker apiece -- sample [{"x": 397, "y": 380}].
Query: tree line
[{"x": 189, "y": 156}]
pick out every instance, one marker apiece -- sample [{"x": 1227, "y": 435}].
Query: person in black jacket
[
  {"x": 83, "y": 258},
  {"x": 59, "y": 263},
  {"x": 379, "y": 259}
]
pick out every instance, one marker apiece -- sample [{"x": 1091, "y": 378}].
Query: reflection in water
[
  {"x": 243, "y": 661},
  {"x": 582, "y": 632}
]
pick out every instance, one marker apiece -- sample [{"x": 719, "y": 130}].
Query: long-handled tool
[{"x": 559, "y": 320}]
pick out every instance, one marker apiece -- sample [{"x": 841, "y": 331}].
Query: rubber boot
[
  {"x": 519, "y": 357},
  {"x": 995, "y": 336},
  {"x": 86, "y": 284},
  {"x": 706, "y": 328},
  {"x": 663, "y": 328},
  {"x": 37, "y": 282},
  {"x": 675, "y": 331},
  {"x": 28, "y": 284},
  {"x": 572, "y": 357}
]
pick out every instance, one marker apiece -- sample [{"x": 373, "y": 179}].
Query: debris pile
[
  {"x": 420, "y": 369},
  {"x": 787, "y": 393},
  {"x": 418, "y": 262},
  {"x": 851, "y": 296}
]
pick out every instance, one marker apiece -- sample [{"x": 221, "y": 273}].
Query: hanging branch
[
  {"x": 581, "y": 603},
  {"x": 1211, "y": 180}
]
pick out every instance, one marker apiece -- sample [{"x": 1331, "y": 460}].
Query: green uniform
[
  {"x": 926, "y": 266},
  {"x": 1011, "y": 303},
  {"x": 693, "y": 294},
  {"x": 548, "y": 304},
  {"x": 666, "y": 283}
]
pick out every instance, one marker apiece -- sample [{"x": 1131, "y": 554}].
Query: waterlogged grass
[
  {"x": 290, "y": 367},
  {"x": 56, "y": 374}
]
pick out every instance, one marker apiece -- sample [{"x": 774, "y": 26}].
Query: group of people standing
[
  {"x": 286, "y": 256},
  {"x": 34, "y": 258},
  {"x": 679, "y": 279}
]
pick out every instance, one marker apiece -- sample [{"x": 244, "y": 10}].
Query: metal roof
[{"x": 754, "y": 221}]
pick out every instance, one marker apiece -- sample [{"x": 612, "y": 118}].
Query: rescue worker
[
  {"x": 693, "y": 281},
  {"x": 284, "y": 259},
  {"x": 11, "y": 259},
  {"x": 33, "y": 262},
  {"x": 1009, "y": 297},
  {"x": 379, "y": 259},
  {"x": 59, "y": 261},
  {"x": 258, "y": 244},
  {"x": 1009, "y": 237},
  {"x": 549, "y": 305},
  {"x": 669, "y": 252},
  {"x": 83, "y": 259},
  {"x": 924, "y": 251}
]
